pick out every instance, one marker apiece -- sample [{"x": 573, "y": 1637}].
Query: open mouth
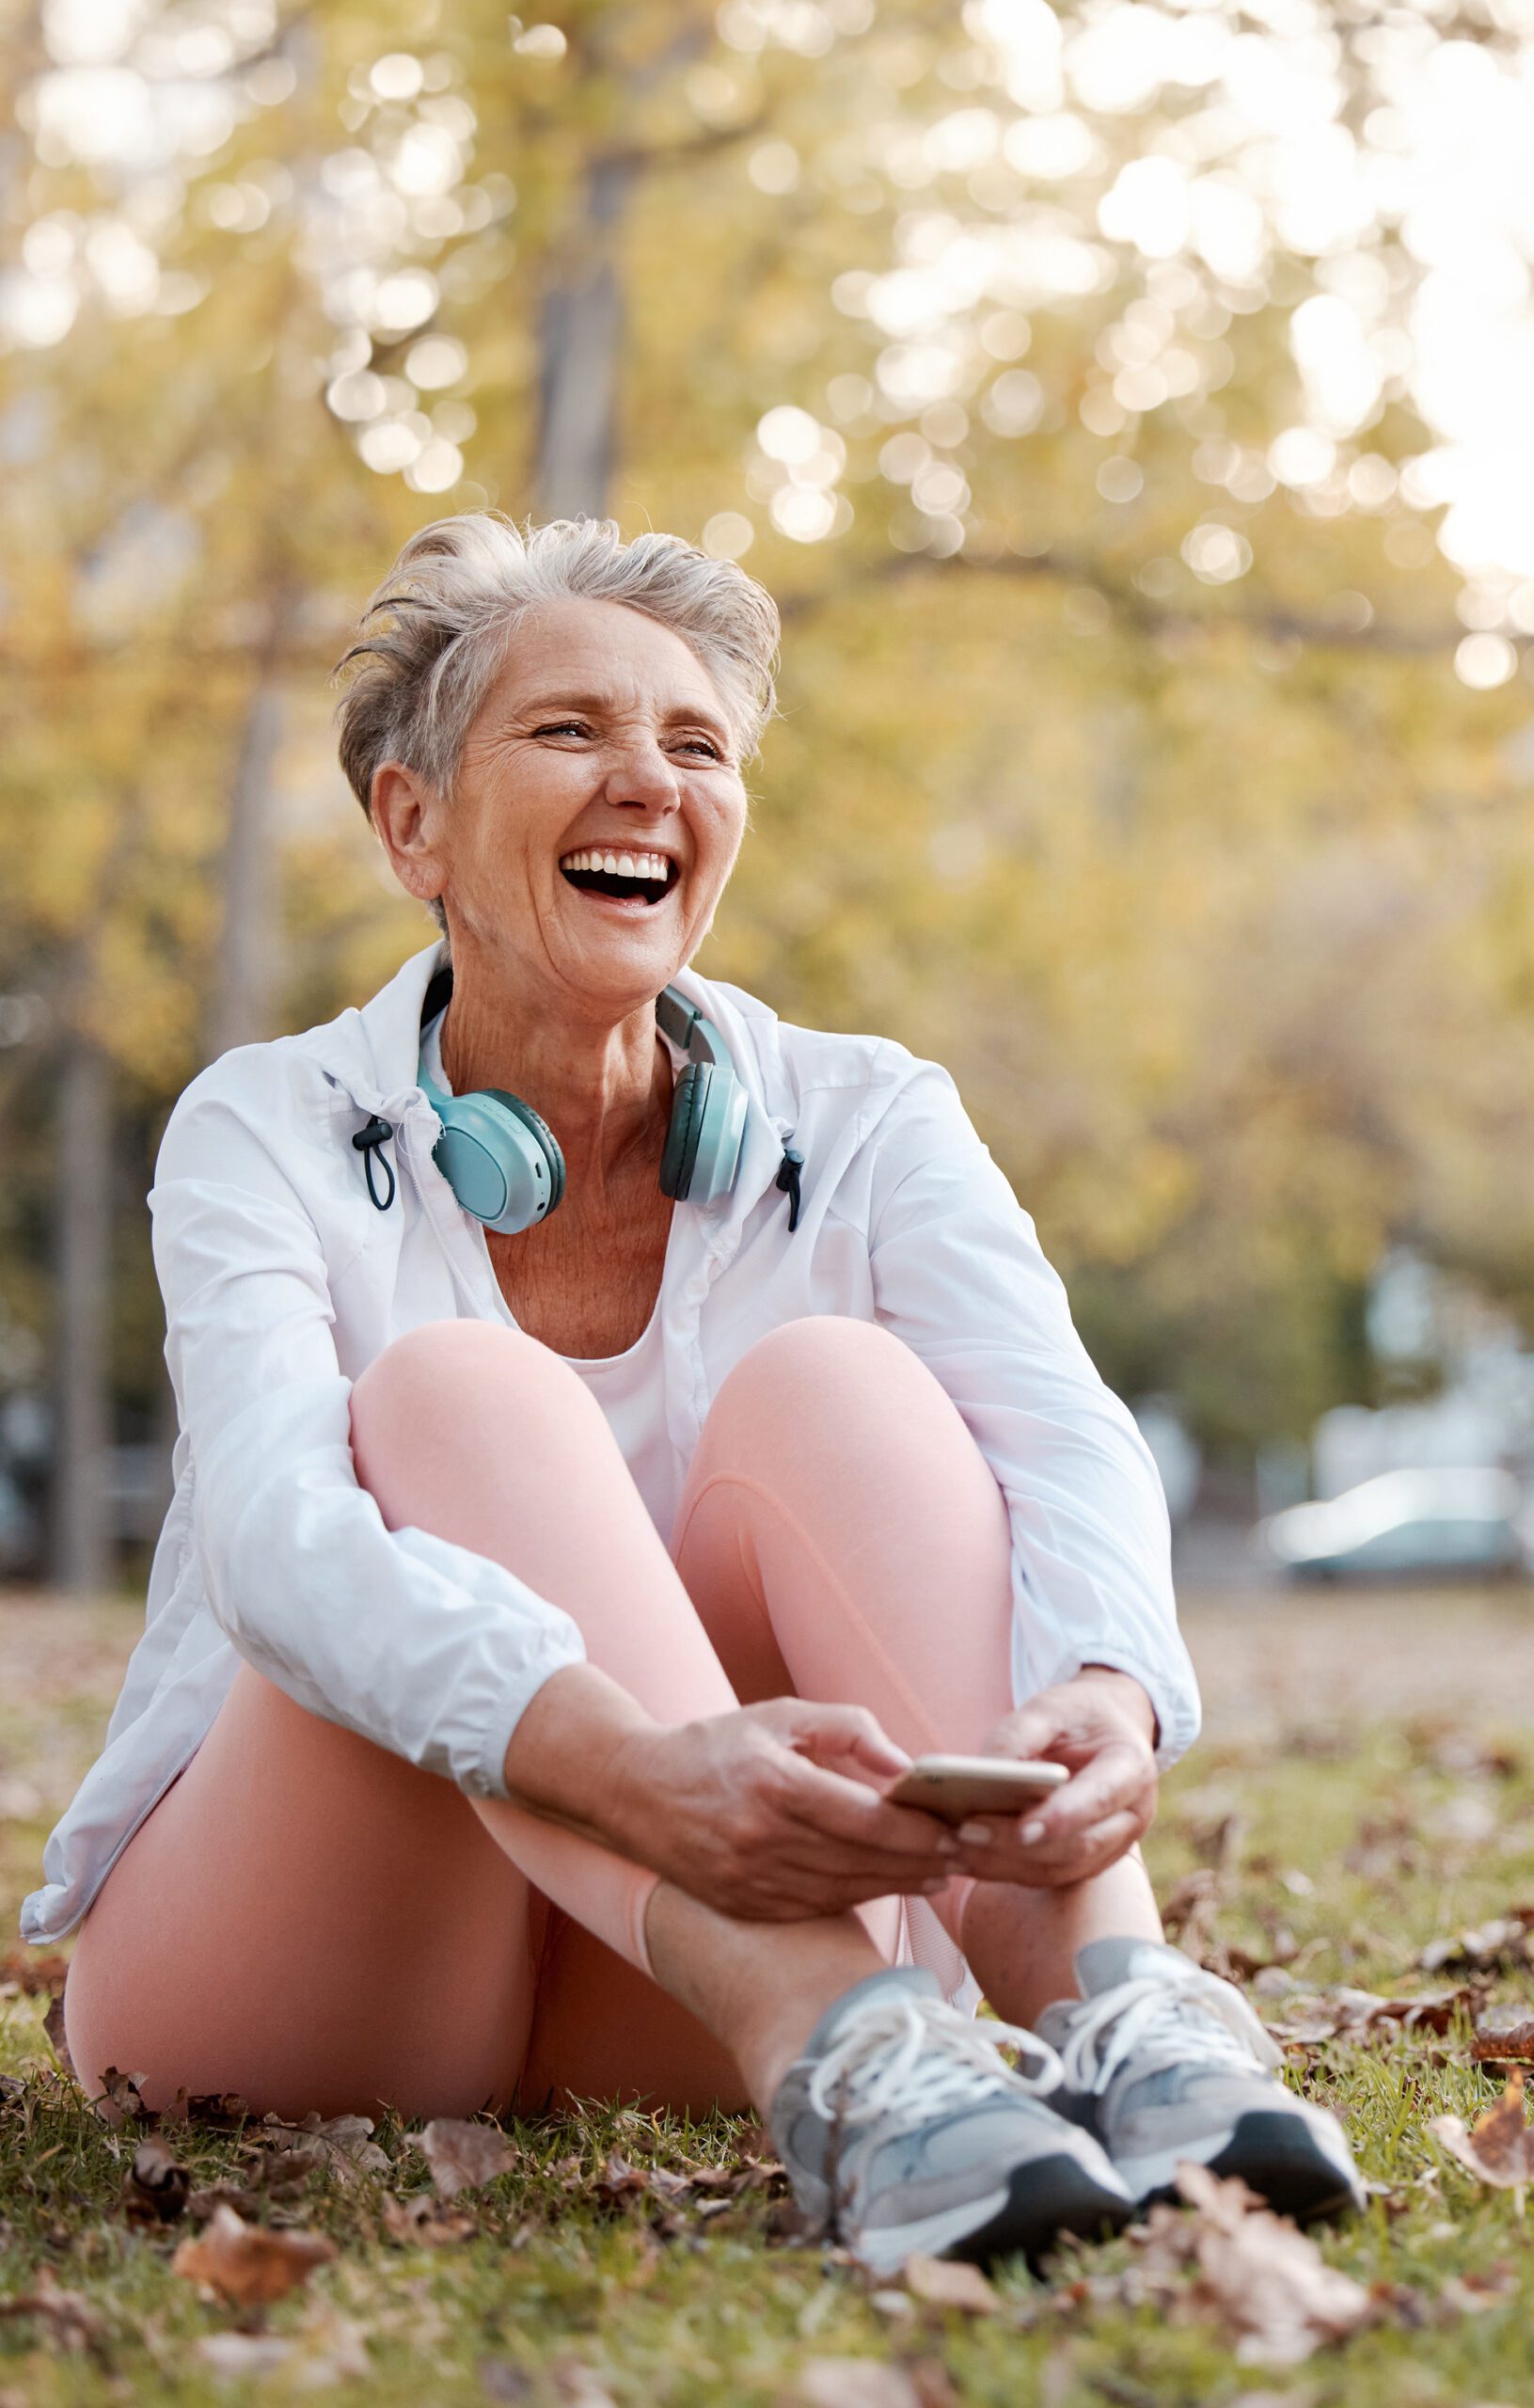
[{"x": 612, "y": 887}]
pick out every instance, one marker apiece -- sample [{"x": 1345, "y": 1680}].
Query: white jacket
[{"x": 281, "y": 1281}]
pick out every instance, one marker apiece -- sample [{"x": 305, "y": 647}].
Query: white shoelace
[
  {"x": 1148, "y": 2017},
  {"x": 907, "y": 2050}
]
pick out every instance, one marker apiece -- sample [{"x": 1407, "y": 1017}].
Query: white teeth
[{"x": 647, "y": 865}]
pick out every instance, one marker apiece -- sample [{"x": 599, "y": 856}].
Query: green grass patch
[{"x": 1339, "y": 1849}]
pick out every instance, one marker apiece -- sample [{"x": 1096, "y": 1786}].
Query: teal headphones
[{"x": 503, "y": 1162}]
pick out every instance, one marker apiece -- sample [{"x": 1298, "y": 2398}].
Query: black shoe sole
[
  {"x": 1279, "y": 2156},
  {"x": 1046, "y": 2199}
]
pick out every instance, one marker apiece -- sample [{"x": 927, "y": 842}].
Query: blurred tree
[{"x": 1069, "y": 378}]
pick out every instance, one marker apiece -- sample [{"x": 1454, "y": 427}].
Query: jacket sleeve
[
  {"x": 959, "y": 1274},
  {"x": 426, "y": 1648}
]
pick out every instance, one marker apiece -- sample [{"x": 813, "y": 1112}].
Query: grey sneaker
[
  {"x": 902, "y": 2129},
  {"x": 1164, "y": 2062}
]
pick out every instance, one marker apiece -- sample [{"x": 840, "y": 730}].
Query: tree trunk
[
  {"x": 81, "y": 1540},
  {"x": 580, "y": 336},
  {"x": 245, "y": 974}
]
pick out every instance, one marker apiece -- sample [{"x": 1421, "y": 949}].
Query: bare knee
[
  {"x": 441, "y": 1366},
  {"x": 452, "y": 1373},
  {"x": 824, "y": 1363}
]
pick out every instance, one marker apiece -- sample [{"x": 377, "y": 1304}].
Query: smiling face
[{"x": 603, "y": 739}]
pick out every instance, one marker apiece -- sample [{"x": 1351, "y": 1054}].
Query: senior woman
[{"x": 618, "y": 1430}]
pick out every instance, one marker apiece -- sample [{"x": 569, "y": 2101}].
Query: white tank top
[{"x": 628, "y": 1387}]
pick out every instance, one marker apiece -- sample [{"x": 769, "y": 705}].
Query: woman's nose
[{"x": 642, "y": 772}]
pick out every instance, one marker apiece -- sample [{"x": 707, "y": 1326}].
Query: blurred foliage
[{"x": 1132, "y": 781}]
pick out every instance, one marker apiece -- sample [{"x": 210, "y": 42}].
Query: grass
[{"x": 1366, "y": 1785}]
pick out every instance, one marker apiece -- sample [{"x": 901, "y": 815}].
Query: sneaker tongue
[
  {"x": 906, "y": 1977},
  {"x": 1102, "y": 1964}
]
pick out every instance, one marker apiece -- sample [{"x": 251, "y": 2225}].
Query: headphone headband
[{"x": 503, "y": 1162}]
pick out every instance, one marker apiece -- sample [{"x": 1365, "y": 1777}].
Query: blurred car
[{"x": 1403, "y": 1524}]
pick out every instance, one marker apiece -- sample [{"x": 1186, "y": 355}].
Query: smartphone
[{"x": 956, "y": 1787}]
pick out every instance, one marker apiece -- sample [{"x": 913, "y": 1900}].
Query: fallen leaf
[
  {"x": 934, "y": 2386},
  {"x": 326, "y": 2348},
  {"x": 1499, "y": 2148},
  {"x": 427, "y": 2223},
  {"x": 1343, "y": 2013},
  {"x": 949, "y": 2282},
  {"x": 1267, "y": 2281},
  {"x": 462, "y": 2156},
  {"x": 501, "y": 2380},
  {"x": 121, "y": 2099},
  {"x": 156, "y": 2186},
  {"x": 219, "y": 2107},
  {"x": 1508, "y": 1941},
  {"x": 250, "y": 2264},
  {"x": 53, "y": 2025},
  {"x": 67, "y": 2317},
  {"x": 1507, "y": 2042},
  {"x": 341, "y": 2142},
  {"x": 575, "y": 2382},
  {"x": 1472, "y": 2294},
  {"x": 28, "y": 1970},
  {"x": 1191, "y": 1905},
  {"x": 232, "y": 2357},
  {"x": 854, "y": 2382}
]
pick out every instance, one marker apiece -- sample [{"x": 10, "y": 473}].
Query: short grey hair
[{"x": 433, "y": 636}]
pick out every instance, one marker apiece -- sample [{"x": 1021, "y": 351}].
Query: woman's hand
[
  {"x": 773, "y": 1814},
  {"x": 1102, "y": 1726}
]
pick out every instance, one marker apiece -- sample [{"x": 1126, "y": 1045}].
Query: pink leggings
[{"x": 313, "y": 1923}]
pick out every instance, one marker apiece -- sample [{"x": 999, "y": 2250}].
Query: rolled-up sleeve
[
  {"x": 424, "y": 1647},
  {"x": 959, "y": 1274}
]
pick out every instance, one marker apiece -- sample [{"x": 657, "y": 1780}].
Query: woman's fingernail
[
  {"x": 1031, "y": 1834},
  {"x": 974, "y": 1834},
  {"x": 948, "y": 1843},
  {"x": 934, "y": 1882}
]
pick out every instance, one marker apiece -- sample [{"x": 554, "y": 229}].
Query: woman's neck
[{"x": 604, "y": 1087}]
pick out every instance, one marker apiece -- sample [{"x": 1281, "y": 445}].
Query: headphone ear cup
[
  {"x": 500, "y": 1159},
  {"x": 543, "y": 1136},
  {"x": 721, "y": 1136},
  {"x": 687, "y": 1121}
]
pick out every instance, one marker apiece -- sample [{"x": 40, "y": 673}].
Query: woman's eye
[
  {"x": 701, "y": 744},
  {"x": 565, "y": 727}
]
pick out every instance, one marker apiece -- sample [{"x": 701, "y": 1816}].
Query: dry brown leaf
[
  {"x": 1509, "y": 2041},
  {"x": 575, "y": 2382},
  {"x": 156, "y": 2186},
  {"x": 501, "y": 2380},
  {"x": 325, "y": 2349},
  {"x": 343, "y": 2143},
  {"x": 29, "y": 1971},
  {"x": 1499, "y": 2148},
  {"x": 250, "y": 2264},
  {"x": 427, "y": 2223},
  {"x": 53, "y": 2025},
  {"x": 1508, "y": 1941},
  {"x": 1268, "y": 2283},
  {"x": 854, "y": 2382},
  {"x": 67, "y": 2317},
  {"x": 1342, "y": 2014},
  {"x": 235, "y": 2357},
  {"x": 948, "y": 2282},
  {"x": 934, "y": 2386},
  {"x": 121, "y": 2099},
  {"x": 464, "y": 2156}
]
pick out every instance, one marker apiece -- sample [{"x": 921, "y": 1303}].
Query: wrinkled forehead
[{"x": 580, "y": 653}]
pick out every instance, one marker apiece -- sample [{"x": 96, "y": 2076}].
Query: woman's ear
[{"x": 407, "y": 815}]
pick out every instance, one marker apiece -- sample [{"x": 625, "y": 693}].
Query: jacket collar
[{"x": 374, "y": 1057}]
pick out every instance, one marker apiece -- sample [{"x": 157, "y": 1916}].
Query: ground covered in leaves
[{"x": 1353, "y": 1840}]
